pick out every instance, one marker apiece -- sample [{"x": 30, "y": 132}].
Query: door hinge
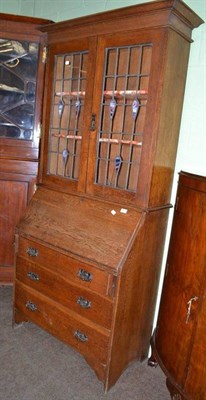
[{"x": 44, "y": 55}]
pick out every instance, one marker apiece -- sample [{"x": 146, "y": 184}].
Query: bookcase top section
[
  {"x": 97, "y": 231},
  {"x": 21, "y": 25},
  {"x": 24, "y": 19},
  {"x": 165, "y": 13}
]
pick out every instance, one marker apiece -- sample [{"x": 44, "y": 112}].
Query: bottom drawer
[{"x": 90, "y": 340}]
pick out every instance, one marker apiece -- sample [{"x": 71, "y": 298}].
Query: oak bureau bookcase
[
  {"x": 89, "y": 247},
  {"x": 21, "y": 90}
]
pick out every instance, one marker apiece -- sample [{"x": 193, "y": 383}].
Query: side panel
[
  {"x": 136, "y": 295},
  {"x": 168, "y": 123}
]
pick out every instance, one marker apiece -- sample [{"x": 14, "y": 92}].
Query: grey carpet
[{"x": 36, "y": 366}]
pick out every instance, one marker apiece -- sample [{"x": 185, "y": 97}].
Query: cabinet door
[
  {"x": 195, "y": 385},
  {"x": 69, "y": 86},
  {"x": 125, "y": 90},
  {"x": 13, "y": 198},
  {"x": 20, "y": 98},
  {"x": 17, "y": 180},
  {"x": 183, "y": 292}
]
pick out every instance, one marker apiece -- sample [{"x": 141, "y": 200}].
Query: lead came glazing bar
[
  {"x": 117, "y": 141},
  {"x": 115, "y": 93},
  {"x": 62, "y": 135}
]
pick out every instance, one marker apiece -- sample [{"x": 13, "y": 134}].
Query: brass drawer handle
[
  {"x": 32, "y": 252},
  {"x": 31, "y": 306},
  {"x": 84, "y": 303},
  {"x": 85, "y": 275},
  {"x": 80, "y": 336},
  {"x": 34, "y": 277}
]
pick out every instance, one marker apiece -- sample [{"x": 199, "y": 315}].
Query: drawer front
[
  {"x": 75, "y": 271},
  {"x": 84, "y": 302},
  {"x": 89, "y": 340}
]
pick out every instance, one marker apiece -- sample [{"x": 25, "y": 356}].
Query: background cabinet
[
  {"x": 21, "y": 89},
  {"x": 92, "y": 238},
  {"x": 179, "y": 340}
]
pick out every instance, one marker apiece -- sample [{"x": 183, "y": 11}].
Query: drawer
[
  {"x": 69, "y": 268},
  {"x": 83, "y": 301},
  {"x": 90, "y": 340}
]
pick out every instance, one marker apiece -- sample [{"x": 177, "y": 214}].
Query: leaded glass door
[
  {"x": 123, "y": 110},
  {"x": 123, "y": 113},
  {"x": 69, "y": 114}
]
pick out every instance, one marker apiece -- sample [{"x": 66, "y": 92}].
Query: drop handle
[
  {"x": 80, "y": 336},
  {"x": 31, "y": 306},
  {"x": 32, "y": 252},
  {"x": 34, "y": 277},
  {"x": 85, "y": 275},
  {"x": 84, "y": 303}
]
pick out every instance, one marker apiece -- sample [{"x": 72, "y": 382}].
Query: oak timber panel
[
  {"x": 81, "y": 226},
  {"x": 13, "y": 200},
  {"x": 136, "y": 293},
  {"x": 168, "y": 122},
  {"x": 17, "y": 181}
]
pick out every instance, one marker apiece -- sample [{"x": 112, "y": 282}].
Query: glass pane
[
  {"x": 122, "y": 115},
  {"x": 18, "y": 73},
  {"x": 66, "y": 123}
]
